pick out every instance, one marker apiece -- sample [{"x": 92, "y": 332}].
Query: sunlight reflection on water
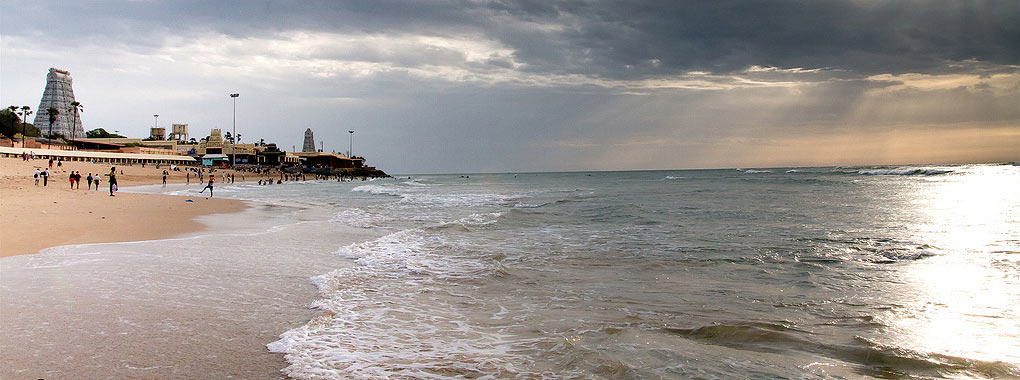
[{"x": 965, "y": 302}]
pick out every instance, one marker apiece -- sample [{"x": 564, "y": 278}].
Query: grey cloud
[{"x": 611, "y": 39}]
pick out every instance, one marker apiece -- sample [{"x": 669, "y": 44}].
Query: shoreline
[{"x": 38, "y": 217}]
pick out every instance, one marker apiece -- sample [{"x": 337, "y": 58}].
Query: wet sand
[{"x": 201, "y": 306}]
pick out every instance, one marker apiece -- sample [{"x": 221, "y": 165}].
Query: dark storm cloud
[
  {"x": 726, "y": 36},
  {"x": 614, "y": 39}
]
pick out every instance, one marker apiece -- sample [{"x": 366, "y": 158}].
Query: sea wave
[
  {"x": 356, "y": 217},
  {"x": 421, "y": 195},
  {"x": 874, "y": 359},
  {"x": 905, "y": 171},
  {"x": 387, "y": 316}
]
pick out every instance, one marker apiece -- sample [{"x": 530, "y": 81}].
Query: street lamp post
[
  {"x": 156, "y": 123},
  {"x": 233, "y": 143},
  {"x": 24, "y": 120},
  {"x": 350, "y": 150}
]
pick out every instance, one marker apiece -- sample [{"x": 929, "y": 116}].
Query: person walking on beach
[
  {"x": 164, "y": 178},
  {"x": 89, "y": 179},
  {"x": 113, "y": 180},
  {"x": 188, "y": 175},
  {"x": 96, "y": 180},
  {"x": 45, "y": 176},
  {"x": 70, "y": 177},
  {"x": 36, "y": 176},
  {"x": 209, "y": 186},
  {"x": 77, "y": 179}
]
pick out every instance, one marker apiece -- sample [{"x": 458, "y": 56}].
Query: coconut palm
[
  {"x": 76, "y": 107},
  {"x": 52, "y": 112},
  {"x": 25, "y": 112}
]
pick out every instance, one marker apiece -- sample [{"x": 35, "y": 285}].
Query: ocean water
[
  {"x": 855, "y": 272},
  {"x": 753, "y": 273}
]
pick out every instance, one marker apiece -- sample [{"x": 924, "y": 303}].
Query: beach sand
[
  {"x": 188, "y": 306},
  {"x": 37, "y": 216}
]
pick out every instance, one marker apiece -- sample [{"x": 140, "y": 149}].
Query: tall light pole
[
  {"x": 233, "y": 144},
  {"x": 155, "y": 124},
  {"x": 350, "y": 150},
  {"x": 24, "y": 120}
]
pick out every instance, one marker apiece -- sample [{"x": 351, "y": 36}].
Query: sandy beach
[
  {"x": 36, "y": 216},
  {"x": 186, "y": 290}
]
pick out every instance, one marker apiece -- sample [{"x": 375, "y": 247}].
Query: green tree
[
  {"x": 11, "y": 123},
  {"x": 52, "y": 112},
  {"x": 100, "y": 133},
  {"x": 75, "y": 107}
]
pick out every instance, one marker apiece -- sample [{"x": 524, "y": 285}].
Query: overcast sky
[{"x": 506, "y": 86}]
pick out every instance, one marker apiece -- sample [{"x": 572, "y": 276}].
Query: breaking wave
[
  {"x": 871, "y": 357},
  {"x": 905, "y": 171}
]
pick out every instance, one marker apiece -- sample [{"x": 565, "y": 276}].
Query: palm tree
[
  {"x": 52, "y": 112},
  {"x": 25, "y": 111},
  {"x": 76, "y": 107}
]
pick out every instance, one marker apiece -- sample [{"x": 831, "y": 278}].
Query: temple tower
[
  {"x": 58, "y": 94},
  {"x": 309, "y": 145}
]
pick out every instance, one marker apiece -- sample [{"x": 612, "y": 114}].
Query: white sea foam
[
  {"x": 387, "y": 316},
  {"x": 356, "y": 217},
  {"x": 905, "y": 171},
  {"x": 753, "y": 171},
  {"x": 528, "y": 205},
  {"x": 380, "y": 190},
  {"x": 670, "y": 177},
  {"x": 423, "y": 196}
]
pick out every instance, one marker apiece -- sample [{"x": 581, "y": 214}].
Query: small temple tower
[
  {"x": 179, "y": 132},
  {"x": 309, "y": 145},
  {"x": 58, "y": 94}
]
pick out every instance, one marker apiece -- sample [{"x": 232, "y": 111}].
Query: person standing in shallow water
[
  {"x": 209, "y": 186},
  {"x": 113, "y": 180}
]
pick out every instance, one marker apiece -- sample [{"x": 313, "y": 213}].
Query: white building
[
  {"x": 309, "y": 145},
  {"x": 58, "y": 94}
]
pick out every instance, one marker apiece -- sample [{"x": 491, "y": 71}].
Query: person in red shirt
[{"x": 209, "y": 186}]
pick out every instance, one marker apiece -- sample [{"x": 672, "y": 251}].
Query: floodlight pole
[
  {"x": 350, "y": 149},
  {"x": 233, "y": 142}
]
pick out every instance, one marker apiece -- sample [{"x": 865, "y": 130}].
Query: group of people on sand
[{"x": 75, "y": 179}]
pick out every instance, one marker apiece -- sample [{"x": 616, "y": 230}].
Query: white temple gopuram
[
  {"x": 309, "y": 141},
  {"x": 58, "y": 94}
]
